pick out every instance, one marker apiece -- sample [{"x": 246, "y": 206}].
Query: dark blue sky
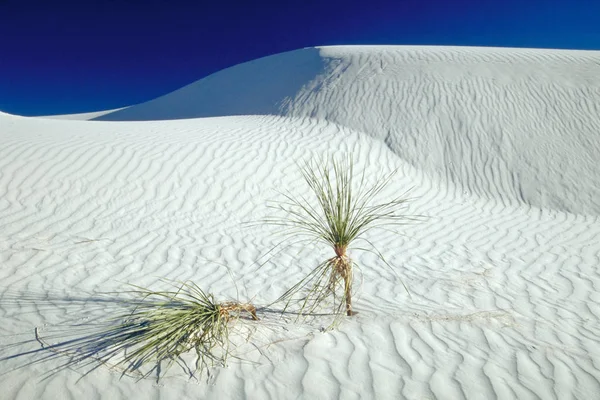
[{"x": 88, "y": 55}]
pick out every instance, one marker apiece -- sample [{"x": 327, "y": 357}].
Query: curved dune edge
[
  {"x": 504, "y": 294},
  {"x": 82, "y": 116},
  {"x": 520, "y": 125}
]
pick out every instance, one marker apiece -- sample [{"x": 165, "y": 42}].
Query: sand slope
[
  {"x": 502, "y": 123},
  {"x": 499, "y": 145}
]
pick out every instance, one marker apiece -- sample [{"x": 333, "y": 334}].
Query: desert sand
[{"x": 499, "y": 146}]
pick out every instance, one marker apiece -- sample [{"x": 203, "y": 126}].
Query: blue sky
[{"x": 88, "y": 55}]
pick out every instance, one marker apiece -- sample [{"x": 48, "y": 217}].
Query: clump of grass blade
[
  {"x": 341, "y": 212},
  {"x": 159, "y": 329}
]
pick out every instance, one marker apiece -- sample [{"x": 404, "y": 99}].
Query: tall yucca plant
[{"x": 342, "y": 210}]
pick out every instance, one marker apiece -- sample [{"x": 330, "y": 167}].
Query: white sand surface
[{"x": 500, "y": 146}]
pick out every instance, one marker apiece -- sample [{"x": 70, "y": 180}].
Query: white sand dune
[
  {"x": 500, "y": 146},
  {"x": 492, "y": 121}
]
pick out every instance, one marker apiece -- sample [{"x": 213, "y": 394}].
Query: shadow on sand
[{"x": 102, "y": 328}]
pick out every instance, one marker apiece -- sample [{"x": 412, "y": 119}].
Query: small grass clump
[
  {"x": 339, "y": 214},
  {"x": 177, "y": 322},
  {"x": 162, "y": 326}
]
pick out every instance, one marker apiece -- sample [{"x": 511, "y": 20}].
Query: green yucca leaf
[{"x": 341, "y": 210}]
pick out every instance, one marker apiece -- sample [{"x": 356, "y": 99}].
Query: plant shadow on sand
[{"x": 141, "y": 335}]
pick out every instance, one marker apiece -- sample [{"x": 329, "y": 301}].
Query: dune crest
[{"x": 501, "y": 123}]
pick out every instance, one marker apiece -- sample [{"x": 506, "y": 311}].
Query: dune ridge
[
  {"x": 82, "y": 116},
  {"x": 498, "y": 145},
  {"x": 448, "y": 111}
]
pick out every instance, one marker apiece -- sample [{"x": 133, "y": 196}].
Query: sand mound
[{"x": 520, "y": 126}]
